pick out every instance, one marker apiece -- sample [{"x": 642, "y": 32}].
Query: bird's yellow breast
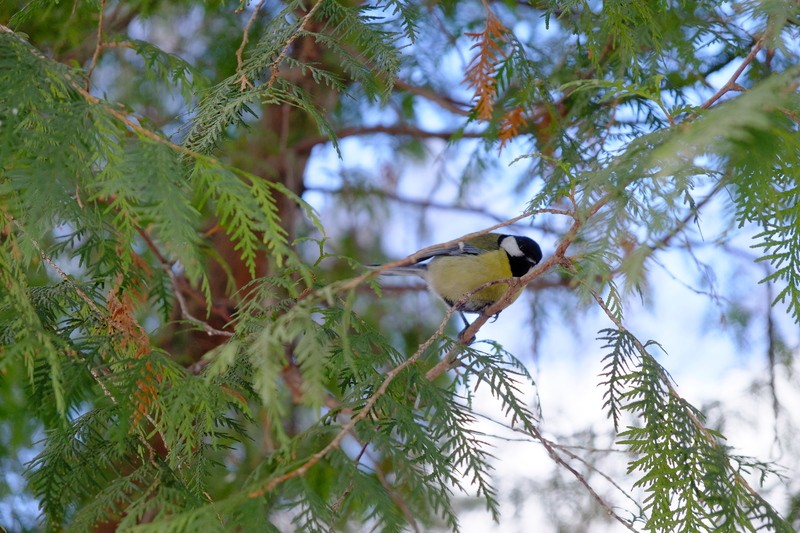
[{"x": 453, "y": 277}]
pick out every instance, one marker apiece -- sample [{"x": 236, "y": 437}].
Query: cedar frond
[{"x": 307, "y": 413}]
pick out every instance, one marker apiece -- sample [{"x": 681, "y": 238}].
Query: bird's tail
[{"x": 411, "y": 270}]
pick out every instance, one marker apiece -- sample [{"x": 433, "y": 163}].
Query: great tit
[{"x": 453, "y": 271}]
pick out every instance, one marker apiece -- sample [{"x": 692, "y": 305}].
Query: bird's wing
[{"x": 460, "y": 248}]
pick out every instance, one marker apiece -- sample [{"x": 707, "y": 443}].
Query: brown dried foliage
[
  {"x": 481, "y": 71},
  {"x": 510, "y": 124}
]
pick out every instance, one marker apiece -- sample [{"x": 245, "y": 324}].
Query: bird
[{"x": 454, "y": 272}]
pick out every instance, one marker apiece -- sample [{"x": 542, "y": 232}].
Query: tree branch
[
  {"x": 167, "y": 265},
  {"x": 309, "y": 142},
  {"x": 445, "y": 102}
]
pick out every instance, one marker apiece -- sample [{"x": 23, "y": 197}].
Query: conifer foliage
[{"x": 184, "y": 349}]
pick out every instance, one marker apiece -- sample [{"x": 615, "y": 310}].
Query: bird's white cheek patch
[{"x": 509, "y": 244}]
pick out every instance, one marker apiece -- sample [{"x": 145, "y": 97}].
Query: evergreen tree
[{"x": 196, "y": 354}]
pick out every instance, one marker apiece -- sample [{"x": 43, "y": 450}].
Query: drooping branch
[{"x": 709, "y": 437}]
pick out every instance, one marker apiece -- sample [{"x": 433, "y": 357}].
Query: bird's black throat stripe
[{"x": 519, "y": 265}]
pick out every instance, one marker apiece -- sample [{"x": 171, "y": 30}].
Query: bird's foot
[{"x": 464, "y": 341}]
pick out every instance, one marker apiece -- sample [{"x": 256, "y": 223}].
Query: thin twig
[
  {"x": 167, "y": 265},
  {"x": 245, "y": 38},
  {"x": 397, "y": 499},
  {"x": 692, "y": 215},
  {"x": 415, "y": 202},
  {"x": 459, "y": 108},
  {"x": 205, "y": 326},
  {"x": 338, "y": 503},
  {"x": 99, "y": 47},
  {"x": 565, "y": 448},
  {"x": 551, "y": 451},
  {"x": 772, "y": 356},
  {"x": 310, "y": 142},
  {"x": 731, "y": 84}
]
